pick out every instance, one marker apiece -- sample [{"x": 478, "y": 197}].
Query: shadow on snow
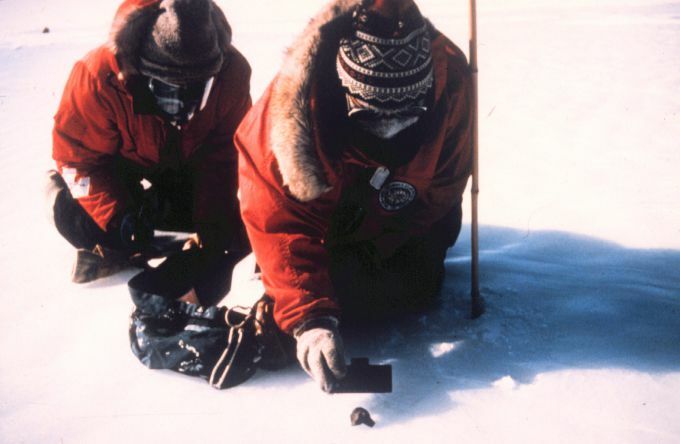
[{"x": 553, "y": 301}]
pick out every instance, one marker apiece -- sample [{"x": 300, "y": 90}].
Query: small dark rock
[
  {"x": 46, "y": 30},
  {"x": 361, "y": 416}
]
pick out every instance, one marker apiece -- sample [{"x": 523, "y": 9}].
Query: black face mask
[{"x": 179, "y": 102}]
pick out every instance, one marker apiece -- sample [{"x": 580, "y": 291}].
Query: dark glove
[
  {"x": 136, "y": 229},
  {"x": 320, "y": 351}
]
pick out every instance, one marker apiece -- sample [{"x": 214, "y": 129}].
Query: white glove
[{"x": 320, "y": 351}]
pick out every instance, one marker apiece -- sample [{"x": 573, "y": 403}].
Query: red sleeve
[
  {"x": 216, "y": 209},
  {"x": 85, "y": 139},
  {"x": 286, "y": 235}
]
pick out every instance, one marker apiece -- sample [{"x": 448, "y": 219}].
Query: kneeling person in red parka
[
  {"x": 352, "y": 168},
  {"x": 161, "y": 102}
]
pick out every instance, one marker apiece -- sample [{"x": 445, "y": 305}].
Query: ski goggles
[{"x": 180, "y": 102}]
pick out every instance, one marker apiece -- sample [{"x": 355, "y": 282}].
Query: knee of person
[
  {"x": 447, "y": 229},
  {"x": 68, "y": 217},
  {"x": 390, "y": 294},
  {"x": 55, "y": 190}
]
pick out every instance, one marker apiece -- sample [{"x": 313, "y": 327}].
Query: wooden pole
[{"x": 477, "y": 306}]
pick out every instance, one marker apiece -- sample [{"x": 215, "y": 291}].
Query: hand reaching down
[{"x": 320, "y": 351}]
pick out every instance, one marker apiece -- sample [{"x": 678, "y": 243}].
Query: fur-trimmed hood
[
  {"x": 133, "y": 22},
  {"x": 291, "y": 134}
]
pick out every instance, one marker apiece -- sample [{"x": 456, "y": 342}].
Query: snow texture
[{"x": 580, "y": 251}]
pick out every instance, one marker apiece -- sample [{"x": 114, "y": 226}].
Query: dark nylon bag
[
  {"x": 221, "y": 345},
  {"x": 196, "y": 341},
  {"x": 205, "y": 341}
]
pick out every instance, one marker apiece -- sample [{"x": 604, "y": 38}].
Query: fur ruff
[
  {"x": 291, "y": 135},
  {"x": 132, "y": 25}
]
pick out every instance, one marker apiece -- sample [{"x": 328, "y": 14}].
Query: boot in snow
[{"x": 97, "y": 263}]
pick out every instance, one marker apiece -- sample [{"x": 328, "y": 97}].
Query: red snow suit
[
  {"x": 296, "y": 169},
  {"x": 100, "y": 121}
]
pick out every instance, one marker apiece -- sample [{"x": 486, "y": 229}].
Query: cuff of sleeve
[{"x": 327, "y": 322}]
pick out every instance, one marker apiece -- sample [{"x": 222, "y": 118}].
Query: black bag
[
  {"x": 193, "y": 340},
  {"x": 221, "y": 345}
]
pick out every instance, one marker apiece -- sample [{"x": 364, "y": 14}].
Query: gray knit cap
[
  {"x": 178, "y": 41},
  {"x": 183, "y": 45}
]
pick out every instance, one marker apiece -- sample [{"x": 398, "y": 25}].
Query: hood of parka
[
  {"x": 136, "y": 24},
  {"x": 291, "y": 133}
]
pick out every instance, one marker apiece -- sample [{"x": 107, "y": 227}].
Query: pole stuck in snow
[{"x": 477, "y": 306}]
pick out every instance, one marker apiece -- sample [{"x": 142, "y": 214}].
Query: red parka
[
  {"x": 293, "y": 175},
  {"x": 100, "y": 120}
]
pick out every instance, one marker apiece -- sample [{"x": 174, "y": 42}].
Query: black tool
[{"x": 363, "y": 377}]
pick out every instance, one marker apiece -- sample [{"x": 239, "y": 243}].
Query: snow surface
[{"x": 580, "y": 251}]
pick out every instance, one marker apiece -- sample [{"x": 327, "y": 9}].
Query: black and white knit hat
[{"x": 387, "y": 61}]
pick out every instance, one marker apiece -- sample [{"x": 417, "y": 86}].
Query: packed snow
[{"x": 580, "y": 251}]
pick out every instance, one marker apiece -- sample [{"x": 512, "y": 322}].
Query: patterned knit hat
[
  {"x": 186, "y": 42},
  {"x": 387, "y": 61}
]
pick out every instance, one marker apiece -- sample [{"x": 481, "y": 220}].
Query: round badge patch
[{"x": 396, "y": 195}]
